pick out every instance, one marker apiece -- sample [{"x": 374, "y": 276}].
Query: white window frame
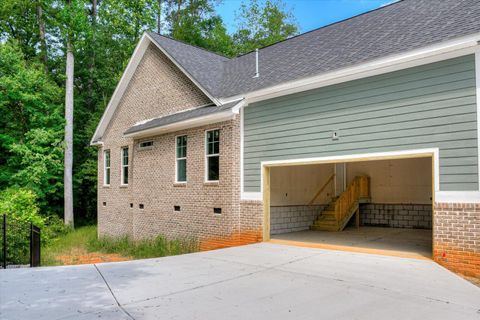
[
  {"x": 140, "y": 147},
  {"x": 105, "y": 167},
  {"x": 122, "y": 172},
  {"x": 183, "y": 158},
  {"x": 211, "y": 155}
]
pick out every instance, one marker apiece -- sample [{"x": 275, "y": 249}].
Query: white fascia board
[
  {"x": 214, "y": 100},
  {"x": 122, "y": 85},
  {"x": 457, "y": 196},
  {"x": 434, "y": 53},
  {"x": 186, "y": 124},
  {"x": 120, "y": 89}
]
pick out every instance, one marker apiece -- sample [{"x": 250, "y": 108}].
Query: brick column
[{"x": 456, "y": 237}]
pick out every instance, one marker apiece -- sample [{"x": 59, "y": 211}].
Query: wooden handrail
[
  {"x": 321, "y": 189},
  {"x": 356, "y": 190}
]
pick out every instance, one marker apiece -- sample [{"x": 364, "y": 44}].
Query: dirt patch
[
  {"x": 92, "y": 257},
  {"x": 475, "y": 281}
]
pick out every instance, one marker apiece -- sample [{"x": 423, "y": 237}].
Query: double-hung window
[
  {"x": 124, "y": 173},
  {"x": 181, "y": 159},
  {"x": 106, "y": 167},
  {"x": 212, "y": 150}
]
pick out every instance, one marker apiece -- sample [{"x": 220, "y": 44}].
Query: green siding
[{"x": 423, "y": 107}]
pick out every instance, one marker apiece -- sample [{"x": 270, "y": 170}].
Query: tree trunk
[
  {"x": 41, "y": 32},
  {"x": 159, "y": 16},
  {"x": 68, "y": 162},
  {"x": 91, "y": 67}
]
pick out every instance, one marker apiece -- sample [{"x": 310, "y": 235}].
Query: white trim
[
  {"x": 434, "y": 53},
  {"x": 122, "y": 85},
  {"x": 257, "y": 196},
  {"x": 241, "y": 151},
  {"x": 122, "y": 176},
  {"x": 206, "y": 156},
  {"x": 120, "y": 89},
  {"x": 428, "y": 152},
  {"x": 176, "y": 160},
  {"x": 105, "y": 184},
  {"x": 477, "y": 81},
  {"x": 457, "y": 197},
  {"x": 190, "y": 123}
]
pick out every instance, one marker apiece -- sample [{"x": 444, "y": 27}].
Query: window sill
[
  {"x": 180, "y": 184},
  {"x": 106, "y": 186},
  {"x": 124, "y": 186},
  {"x": 211, "y": 183}
]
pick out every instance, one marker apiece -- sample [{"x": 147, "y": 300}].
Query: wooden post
[{"x": 266, "y": 203}]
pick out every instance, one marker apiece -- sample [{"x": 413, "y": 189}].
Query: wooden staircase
[{"x": 341, "y": 209}]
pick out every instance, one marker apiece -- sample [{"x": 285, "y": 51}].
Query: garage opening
[{"x": 376, "y": 206}]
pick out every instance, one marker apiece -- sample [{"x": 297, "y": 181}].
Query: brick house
[{"x": 375, "y": 117}]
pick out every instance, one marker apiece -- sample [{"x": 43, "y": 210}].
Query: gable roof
[
  {"x": 331, "y": 52},
  {"x": 399, "y": 27}
]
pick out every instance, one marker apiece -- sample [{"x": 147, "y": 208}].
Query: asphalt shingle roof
[
  {"x": 181, "y": 116},
  {"x": 393, "y": 29}
]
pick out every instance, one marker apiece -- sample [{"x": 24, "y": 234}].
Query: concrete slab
[
  {"x": 390, "y": 241},
  {"x": 251, "y": 282},
  {"x": 52, "y": 293}
]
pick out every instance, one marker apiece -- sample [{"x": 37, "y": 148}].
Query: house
[{"x": 372, "y": 121}]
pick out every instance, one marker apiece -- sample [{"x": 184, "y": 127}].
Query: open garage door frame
[{"x": 432, "y": 153}]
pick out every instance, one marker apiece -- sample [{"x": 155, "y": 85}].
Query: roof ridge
[
  {"x": 394, "y": 2},
  {"x": 191, "y": 45}
]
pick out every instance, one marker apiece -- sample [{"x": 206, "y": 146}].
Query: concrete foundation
[{"x": 293, "y": 218}]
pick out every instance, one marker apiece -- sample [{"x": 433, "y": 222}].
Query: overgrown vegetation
[
  {"x": 82, "y": 246},
  {"x": 101, "y": 35}
]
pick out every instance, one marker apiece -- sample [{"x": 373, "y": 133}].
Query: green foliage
[
  {"x": 21, "y": 205},
  {"x": 84, "y": 240},
  {"x": 103, "y": 39},
  {"x": 31, "y": 128},
  {"x": 21, "y": 208},
  {"x": 263, "y": 23},
  {"x": 158, "y": 247}
]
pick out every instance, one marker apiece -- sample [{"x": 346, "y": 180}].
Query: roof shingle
[{"x": 403, "y": 26}]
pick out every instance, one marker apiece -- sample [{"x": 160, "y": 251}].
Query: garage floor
[{"x": 412, "y": 243}]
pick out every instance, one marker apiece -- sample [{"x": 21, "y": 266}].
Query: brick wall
[
  {"x": 285, "y": 219},
  {"x": 456, "y": 241},
  {"x": 418, "y": 216},
  {"x": 158, "y": 88}
]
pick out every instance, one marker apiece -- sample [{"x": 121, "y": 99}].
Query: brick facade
[
  {"x": 456, "y": 237},
  {"x": 158, "y": 88}
]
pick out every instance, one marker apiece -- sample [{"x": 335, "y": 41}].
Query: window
[
  {"x": 213, "y": 155},
  {"x": 124, "y": 175},
  {"x": 106, "y": 167},
  {"x": 181, "y": 158},
  {"x": 145, "y": 145}
]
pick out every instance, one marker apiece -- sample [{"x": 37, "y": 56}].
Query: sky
[{"x": 310, "y": 14}]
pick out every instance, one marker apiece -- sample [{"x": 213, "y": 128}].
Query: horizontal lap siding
[{"x": 428, "y": 106}]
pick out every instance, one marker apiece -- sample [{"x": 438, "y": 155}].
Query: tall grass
[
  {"x": 84, "y": 240},
  {"x": 158, "y": 247}
]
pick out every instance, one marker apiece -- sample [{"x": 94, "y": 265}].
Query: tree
[
  {"x": 195, "y": 22},
  {"x": 31, "y": 128},
  {"x": 262, "y": 24}
]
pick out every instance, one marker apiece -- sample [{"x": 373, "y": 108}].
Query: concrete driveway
[{"x": 261, "y": 281}]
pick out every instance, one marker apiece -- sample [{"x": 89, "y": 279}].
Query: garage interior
[{"x": 376, "y": 206}]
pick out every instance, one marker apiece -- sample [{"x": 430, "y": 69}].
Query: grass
[{"x": 82, "y": 246}]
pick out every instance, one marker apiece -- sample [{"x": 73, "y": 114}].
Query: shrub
[{"x": 21, "y": 208}]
